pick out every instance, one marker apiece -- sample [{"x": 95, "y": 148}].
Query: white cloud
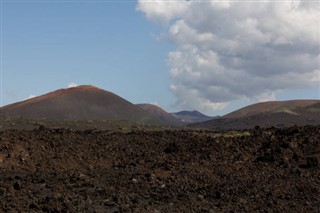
[
  {"x": 231, "y": 50},
  {"x": 162, "y": 11},
  {"x": 30, "y": 96},
  {"x": 154, "y": 103},
  {"x": 72, "y": 84}
]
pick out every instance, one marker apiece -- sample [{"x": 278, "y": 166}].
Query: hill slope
[
  {"x": 275, "y": 113},
  {"x": 270, "y": 107},
  {"x": 79, "y": 103},
  {"x": 191, "y": 116},
  {"x": 160, "y": 114}
]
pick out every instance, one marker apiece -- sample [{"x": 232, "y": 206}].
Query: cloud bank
[{"x": 228, "y": 51}]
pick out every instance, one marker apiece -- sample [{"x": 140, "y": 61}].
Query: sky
[{"x": 211, "y": 56}]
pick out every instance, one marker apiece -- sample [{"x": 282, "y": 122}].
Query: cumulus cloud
[
  {"x": 162, "y": 11},
  {"x": 72, "y": 84},
  {"x": 232, "y": 50}
]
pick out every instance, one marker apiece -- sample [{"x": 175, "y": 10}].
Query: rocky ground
[{"x": 60, "y": 170}]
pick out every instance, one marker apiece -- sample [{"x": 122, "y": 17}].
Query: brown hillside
[
  {"x": 270, "y": 106},
  {"x": 160, "y": 113},
  {"x": 276, "y": 113},
  {"x": 192, "y": 116},
  {"x": 79, "y": 103}
]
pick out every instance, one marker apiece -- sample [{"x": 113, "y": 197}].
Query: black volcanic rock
[{"x": 261, "y": 170}]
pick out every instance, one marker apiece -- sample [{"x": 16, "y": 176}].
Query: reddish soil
[
  {"x": 261, "y": 170},
  {"x": 265, "y": 120},
  {"x": 272, "y": 106},
  {"x": 161, "y": 114},
  {"x": 79, "y": 103}
]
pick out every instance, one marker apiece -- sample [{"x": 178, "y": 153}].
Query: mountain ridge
[
  {"x": 79, "y": 103},
  {"x": 192, "y": 116},
  {"x": 266, "y": 114},
  {"x": 88, "y": 102},
  {"x": 161, "y": 114},
  {"x": 270, "y": 106}
]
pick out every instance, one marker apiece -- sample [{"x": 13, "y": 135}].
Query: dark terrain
[
  {"x": 85, "y": 149},
  {"x": 63, "y": 170}
]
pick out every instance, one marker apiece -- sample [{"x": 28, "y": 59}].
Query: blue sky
[
  {"x": 48, "y": 45},
  {"x": 115, "y": 46}
]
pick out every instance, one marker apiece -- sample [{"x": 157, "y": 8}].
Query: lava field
[{"x": 63, "y": 170}]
